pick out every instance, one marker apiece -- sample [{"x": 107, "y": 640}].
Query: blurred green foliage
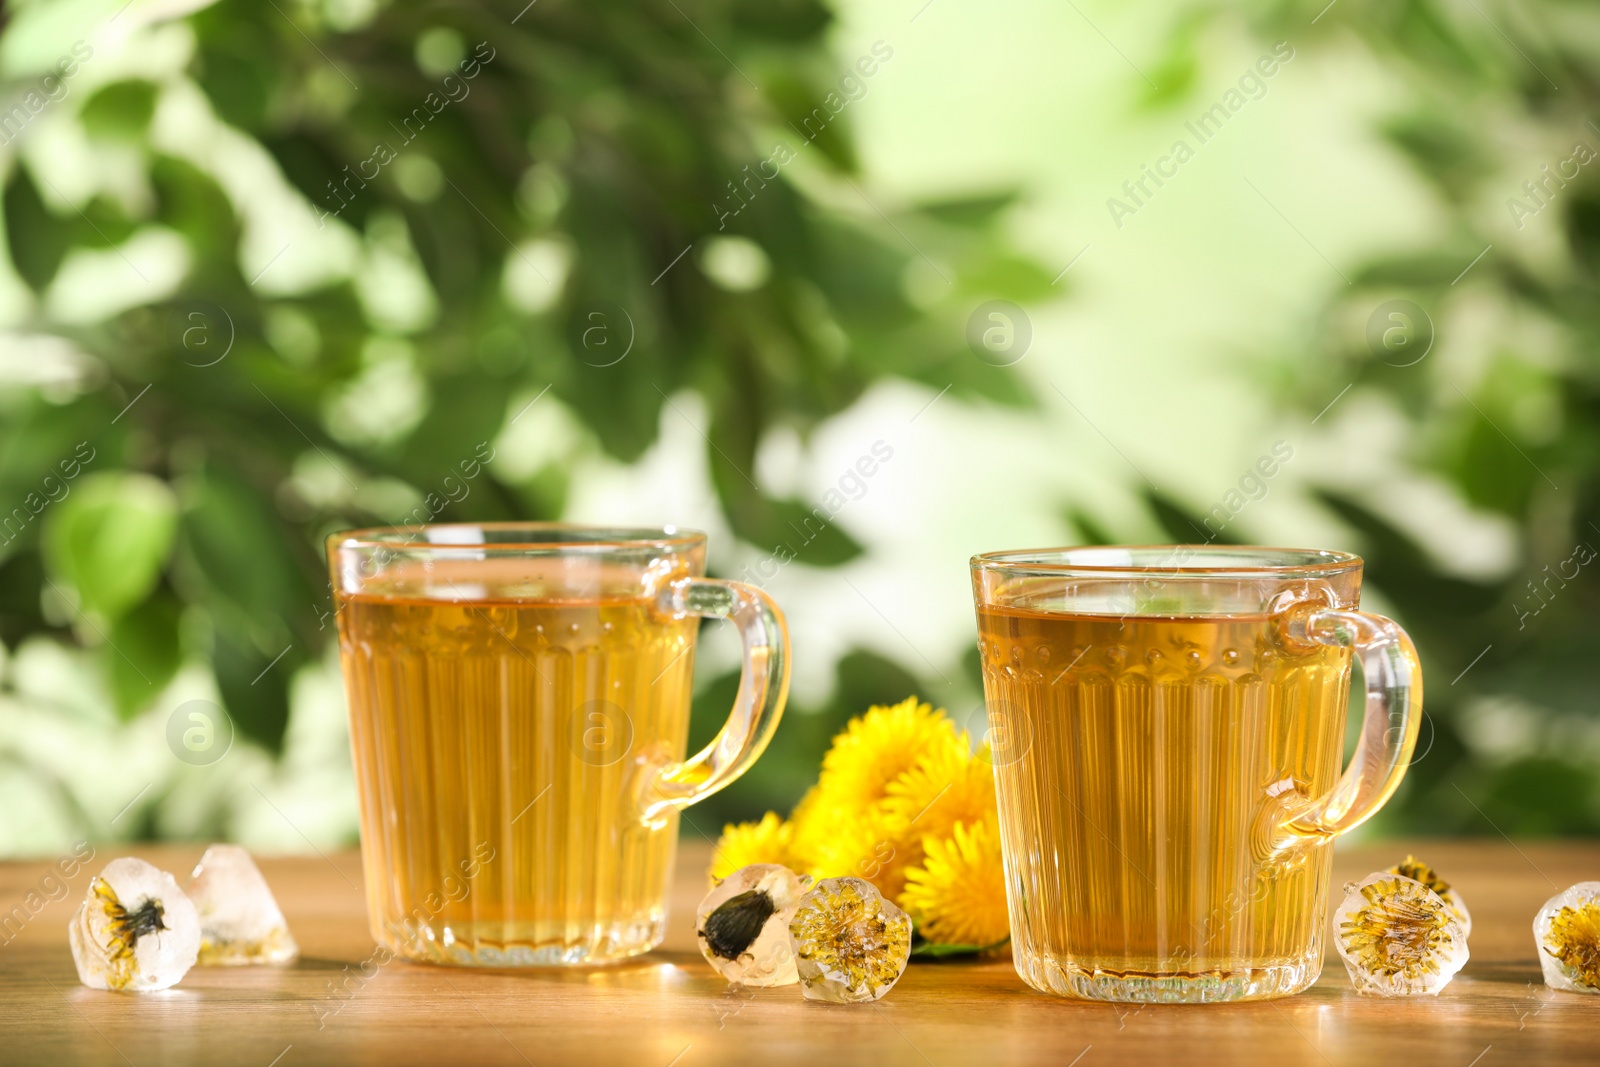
[
  {"x": 528, "y": 194},
  {"x": 652, "y": 178},
  {"x": 1510, "y": 696}
]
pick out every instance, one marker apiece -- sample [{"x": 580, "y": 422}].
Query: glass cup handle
[
  {"x": 763, "y": 688},
  {"x": 1388, "y": 729}
]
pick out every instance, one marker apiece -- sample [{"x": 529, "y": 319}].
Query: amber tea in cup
[
  {"x": 519, "y": 703},
  {"x": 1168, "y": 724}
]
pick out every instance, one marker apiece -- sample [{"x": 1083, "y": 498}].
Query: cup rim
[
  {"x": 559, "y": 536},
  {"x": 1172, "y": 562}
]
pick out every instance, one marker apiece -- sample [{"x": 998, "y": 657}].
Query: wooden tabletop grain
[{"x": 668, "y": 1009}]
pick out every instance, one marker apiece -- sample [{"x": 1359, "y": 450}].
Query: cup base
[
  {"x": 1206, "y": 987},
  {"x": 458, "y": 945}
]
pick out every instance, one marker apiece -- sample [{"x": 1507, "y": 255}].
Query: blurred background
[{"x": 273, "y": 270}]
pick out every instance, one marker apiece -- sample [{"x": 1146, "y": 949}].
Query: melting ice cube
[
  {"x": 135, "y": 930},
  {"x": 1398, "y": 937},
  {"x": 239, "y": 918},
  {"x": 1567, "y": 930},
  {"x": 850, "y": 944}
]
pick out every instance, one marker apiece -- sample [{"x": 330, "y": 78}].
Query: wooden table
[{"x": 670, "y": 1010}]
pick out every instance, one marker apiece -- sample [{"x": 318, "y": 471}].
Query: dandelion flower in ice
[
  {"x": 743, "y": 925},
  {"x": 850, "y": 944},
  {"x": 1419, "y": 871},
  {"x": 135, "y": 930},
  {"x": 1398, "y": 937},
  {"x": 1567, "y": 930},
  {"x": 240, "y": 921}
]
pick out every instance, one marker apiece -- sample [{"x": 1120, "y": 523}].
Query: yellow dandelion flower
[
  {"x": 945, "y": 786},
  {"x": 958, "y": 895},
  {"x": 861, "y": 818},
  {"x": 891, "y": 776},
  {"x": 876, "y": 748},
  {"x": 767, "y": 841},
  {"x": 873, "y": 844},
  {"x": 814, "y": 828},
  {"x": 808, "y": 803},
  {"x": 1574, "y": 939},
  {"x": 1418, "y": 871}
]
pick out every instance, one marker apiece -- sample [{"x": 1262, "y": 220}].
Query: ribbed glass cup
[
  {"x": 1167, "y": 725},
  {"x": 519, "y": 702}
]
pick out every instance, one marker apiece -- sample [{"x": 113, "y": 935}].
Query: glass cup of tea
[
  {"x": 1167, "y": 724},
  {"x": 519, "y": 711}
]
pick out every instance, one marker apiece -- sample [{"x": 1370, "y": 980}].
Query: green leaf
[
  {"x": 814, "y": 113},
  {"x": 864, "y": 678},
  {"x": 1094, "y": 533},
  {"x": 787, "y": 529},
  {"x": 977, "y": 212},
  {"x": 143, "y": 654},
  {"x": 1440, "y": 147},
  {"x": 254, "y": 687},
  {"x": 464, "y": 417},
  {"x": 195, "y": 205},
  {"x": 1172, "y": 80},
  {"x": 38, "y": 238},
  {"x": 235, "y": 559},
  {"x": 1182, "y": 525},
  {"x": 45, "y": 447},
  {"x": 104, "y": 224},
  {"x": 1011, "y": 276},
  {"x": 111, "y": 538},
  {"x": 1173, "y": 77},
  {"x": 929, "y": 950},
  {"x": 238, "y": 75},
  {"x": 1440, "y": 610},
  {"x": 1583, "y": 228},
  {"x": 861, "y": 277},
  {"x": 782, "y": 21},
  {"x": 313, "y": 168},
  {"x": 1412, "y": 270},
  {"x": 21, "y": 578},
  {"x": 812, "y": 533},
  {"x": 238, "y": 564},
  {"x": 120, "y": 110}
]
